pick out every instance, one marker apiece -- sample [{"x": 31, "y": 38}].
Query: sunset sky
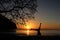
[{"x": 48, "y": 14}]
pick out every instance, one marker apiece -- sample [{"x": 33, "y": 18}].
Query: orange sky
[
  {"x": 30, "y": 24},
  {"x": 47, "y": 24},
  {"x": 35, "y": 24}
]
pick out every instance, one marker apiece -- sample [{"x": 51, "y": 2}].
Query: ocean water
[
  {"x": 34, "y": 33},
  {"x": 50, "y": 32}
]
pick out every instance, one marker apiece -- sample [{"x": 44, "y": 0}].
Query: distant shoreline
[{"x": 50, "y": 29}]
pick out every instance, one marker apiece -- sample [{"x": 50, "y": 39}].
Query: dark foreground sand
[{"x": 15, "y": 37}]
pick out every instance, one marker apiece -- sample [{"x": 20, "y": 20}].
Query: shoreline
[{"x": 15, "y": 37}]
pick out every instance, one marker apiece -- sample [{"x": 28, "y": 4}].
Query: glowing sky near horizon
[
  {"x": 48, "y": 14},
  {"x": 31, "y": 24}
]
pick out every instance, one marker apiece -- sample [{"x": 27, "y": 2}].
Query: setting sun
[
  {"x": 31, "y": 24},
  {"x": 28, "y": 27}
]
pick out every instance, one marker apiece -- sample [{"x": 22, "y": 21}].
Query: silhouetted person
[
  {"x": 38, "y": 30},
  {"x": 6, "y": 24}
]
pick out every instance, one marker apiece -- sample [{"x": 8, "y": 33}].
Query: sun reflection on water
[{"x": 26, "y": 32}]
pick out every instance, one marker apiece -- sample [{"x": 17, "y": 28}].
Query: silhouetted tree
[
  {"x": 19, "y": 11},
  {"x": 6, "y": 25}
]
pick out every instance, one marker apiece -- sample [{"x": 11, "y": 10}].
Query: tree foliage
[{"x": 19, "y": 11}]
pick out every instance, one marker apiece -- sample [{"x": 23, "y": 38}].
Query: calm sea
[
  {"x": 34, "y": 33},
  {"x": 50, "y": 32}
]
